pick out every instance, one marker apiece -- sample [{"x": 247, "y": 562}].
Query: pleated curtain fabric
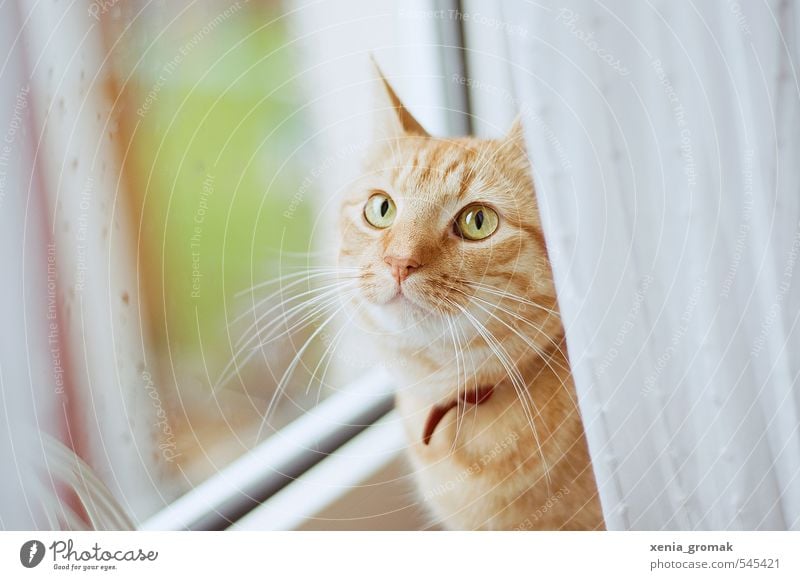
[{"x": 665, "y": 140}]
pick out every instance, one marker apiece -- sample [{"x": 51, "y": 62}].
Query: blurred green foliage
[{"x": 214, "y": 153}]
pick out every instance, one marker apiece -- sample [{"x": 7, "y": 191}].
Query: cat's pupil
[
  {"x": 384, "y": 207},
  {"x": 479, "y": 219}
]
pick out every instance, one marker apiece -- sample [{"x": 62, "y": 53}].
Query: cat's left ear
[{"x": 391, "y": 119}]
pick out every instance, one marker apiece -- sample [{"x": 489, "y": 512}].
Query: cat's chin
[
  {"x": 405, "y": 305},
  {"x": 401, "y": 313},
  {"x": 399, "y": 299}
]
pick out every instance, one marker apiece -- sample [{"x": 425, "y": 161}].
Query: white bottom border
[{"x": 405, "y": 555}]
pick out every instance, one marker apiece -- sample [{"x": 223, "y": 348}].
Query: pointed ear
[
  {"x": 516, "y": 134},
  {"x": 391, "y": 118},
  {"x": 513, "y": 144}
]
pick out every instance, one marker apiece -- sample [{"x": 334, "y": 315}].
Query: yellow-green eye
[
  {"x": 476, "y": 222},
  {"x": 380, "y": 210}
]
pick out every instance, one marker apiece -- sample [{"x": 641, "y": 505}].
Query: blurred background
[{"x": 180, "y": 164}]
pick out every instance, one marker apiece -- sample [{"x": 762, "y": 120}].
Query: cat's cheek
[{"x": 347, "y": 258}]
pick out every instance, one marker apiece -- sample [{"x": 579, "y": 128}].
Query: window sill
[
  {"x": 348, "y": 472},
  {"x": 251, "y": 480}
]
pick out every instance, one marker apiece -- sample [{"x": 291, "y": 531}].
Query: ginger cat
[{"x": 454, "y": 279}]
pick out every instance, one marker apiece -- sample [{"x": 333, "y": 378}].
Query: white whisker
[
  {"x": 306, "y": 274},
  {"x": 547, "y": 360},
  {"x": 290, "y": 370},
  {"x": 516, "y": 380},
  {"x": 325, "y": 291},
  {"x": 539, "y": 330},
  {"x": 334, "y": 344},
  {"x": 318, "y": 305},
  {"x": 458, "y": 381},
  {"x": 510, "y": 296}
]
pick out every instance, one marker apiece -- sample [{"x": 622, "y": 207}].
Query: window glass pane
[
  {"x": 232, "y": 166},
  {"x": 189, "y": 158}
]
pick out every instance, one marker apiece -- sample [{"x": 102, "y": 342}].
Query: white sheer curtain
[
  {"x": 665, "y": 138},
  {"x": 26, "y": 385},
  {"x": 72, "y": 344}
]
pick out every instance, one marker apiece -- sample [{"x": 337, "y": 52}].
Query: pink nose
[{"x": 401, "y": 267}]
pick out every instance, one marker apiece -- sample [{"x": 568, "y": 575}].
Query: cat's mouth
[
  {"x": 407, "y": 295},
  {"x": 404, "y": 298},
  {"x": 421, "y": 297},
  {"x": 418, "y": 295}
]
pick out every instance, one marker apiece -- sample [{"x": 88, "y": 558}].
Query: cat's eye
[
  {"x": 476, "y": 222},
  {"x": 380, "y": 210}
]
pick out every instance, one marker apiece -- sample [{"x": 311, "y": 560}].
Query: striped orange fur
[{"x": 467, "y": 315}]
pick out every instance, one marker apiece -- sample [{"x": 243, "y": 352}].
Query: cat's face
[{"x": 430, "y": 222}]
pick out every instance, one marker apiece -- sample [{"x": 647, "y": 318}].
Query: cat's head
[{"x": 436, "y": 226}]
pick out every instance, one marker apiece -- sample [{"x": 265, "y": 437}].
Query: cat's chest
[
  {"x": 466, "y": 432},
  {"x": 472, "y": 462}
]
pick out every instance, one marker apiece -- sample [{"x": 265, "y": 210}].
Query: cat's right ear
[{"x": 391, "y": 120}]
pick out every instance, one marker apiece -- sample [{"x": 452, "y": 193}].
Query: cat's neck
[{"x": 437, "y": 375}]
